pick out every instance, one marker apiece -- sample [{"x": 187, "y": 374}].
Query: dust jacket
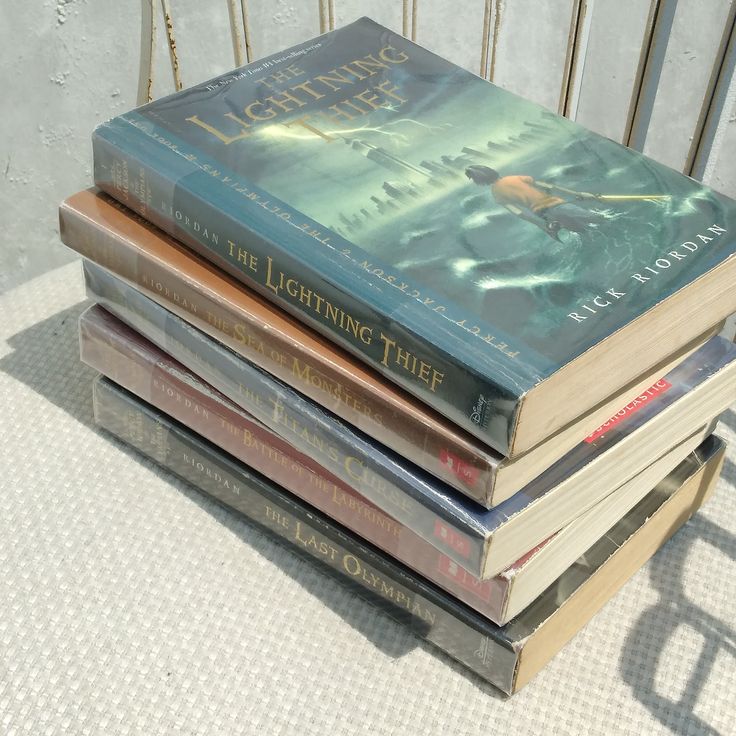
[{"x": 466, "y": 243}]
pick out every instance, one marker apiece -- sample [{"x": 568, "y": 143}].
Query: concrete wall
[
  {"x": 70, "y": 64},
  {"x": 66, "y": 65}
]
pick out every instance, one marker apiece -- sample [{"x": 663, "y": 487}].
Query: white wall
[
  {"x": 68, "y": 64},
  {"x": 63, "y": 69}
]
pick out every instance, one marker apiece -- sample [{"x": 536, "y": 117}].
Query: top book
[{"x": 503, "y": 264}]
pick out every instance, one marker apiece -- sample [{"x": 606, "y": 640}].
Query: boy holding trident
[{"x": 536, "y": 202}]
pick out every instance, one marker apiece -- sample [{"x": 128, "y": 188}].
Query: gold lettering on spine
[
  {"x": 353, "y": 567},
  {"x": 315, "y": 303},
  {"x": 269, "y": 276},
  {"x": 396, "y": 355}
]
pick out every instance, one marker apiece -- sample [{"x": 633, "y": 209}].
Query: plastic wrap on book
[
  {"x": 454, "y": 516},
  {"x": 230, "y": 374},
  {"x": 490, "y": 597},
  {"x": 189, "y": 400},
  {"x": 495, "y": 653},
  {"x": 212, "y": 415},
  {"x": 403, "y": 491},
  {"x": 430, "y": 614},
  {"x": 102, "y": 230},
  {"x": 175, "y": 390},
  {"x": 101, "y": 347}
]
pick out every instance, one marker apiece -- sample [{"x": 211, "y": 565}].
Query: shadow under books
[
  {"x": 729, "y": 420},
  {"x": 655, "y": 628},
  {"x": 45, "y": 357}
]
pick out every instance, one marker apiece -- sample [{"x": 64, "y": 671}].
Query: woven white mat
[{"x": 129, "y": 604}]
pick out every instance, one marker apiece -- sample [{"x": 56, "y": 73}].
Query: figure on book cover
[
  {"x": 540, "y": 203},
  {"x": 537, "y": 202}
]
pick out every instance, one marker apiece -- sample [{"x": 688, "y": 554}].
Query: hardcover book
[
  {"x": 508, "y": 656},
  {"x": 483, "y": 542},
  {"x": 102, "y": 230},
  {"x": 503, "y": 264}
]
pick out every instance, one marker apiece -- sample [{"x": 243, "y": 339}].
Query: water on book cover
[{"x": 512, "y": 218}]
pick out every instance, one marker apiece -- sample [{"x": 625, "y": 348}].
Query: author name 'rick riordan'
[{"x": 610, "y": 297}]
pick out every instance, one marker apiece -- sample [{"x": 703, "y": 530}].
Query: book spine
[
  {"x": 380, "y": 476},
  {"x": 117, "y": 351},
  {"x": 372, "y": 405},
  {"x": 428, "y": 612},
  {"x": 170, "y": 189}
]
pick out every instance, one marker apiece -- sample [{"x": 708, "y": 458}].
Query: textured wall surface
[
  {"x": 67, "y": 65},
  {"x": 64, "y": 68}
]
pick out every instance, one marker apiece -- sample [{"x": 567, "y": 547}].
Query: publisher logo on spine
[
  {"x": 479, "y": 412},
  {"x": 464, "y": 471},
  {"x": 451, "y": 538},
  {"x": 481, "y": 589},
  {"x": 631, "y": 408}
]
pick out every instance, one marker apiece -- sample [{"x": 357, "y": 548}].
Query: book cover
[
  {"x": 469, "y": 245},
  {"x": 456, "y": 526},
  {"x": 496, "y": 654}
]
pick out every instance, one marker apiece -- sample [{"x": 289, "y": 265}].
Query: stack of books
[{"x": 456, "y": 348}]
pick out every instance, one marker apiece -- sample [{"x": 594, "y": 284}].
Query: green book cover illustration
[{"x": 467, "y": 243}]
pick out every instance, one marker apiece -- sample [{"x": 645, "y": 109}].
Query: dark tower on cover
[{"x": 468, "y": 244}]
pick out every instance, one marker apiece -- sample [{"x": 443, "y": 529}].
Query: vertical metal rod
[
  {"x": 148, "y": 47},
  {"x": 569, "y": 56},
  {"x": 651, "y": 61},
  {"x": 238, "y": 51},
  {"x": 331, "y": 14},
  {"x": 577, "y": 50},
  {"x": 714, "y": 101},
  {"x": 485, "y": 39},
  {"x": 322, "y": 5},
  {"x": 246, "y": 31},
  {"x": 409, "y": 19},
  {"x": 173, "y": 55},
  {"x": 494, "y": 43}
]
